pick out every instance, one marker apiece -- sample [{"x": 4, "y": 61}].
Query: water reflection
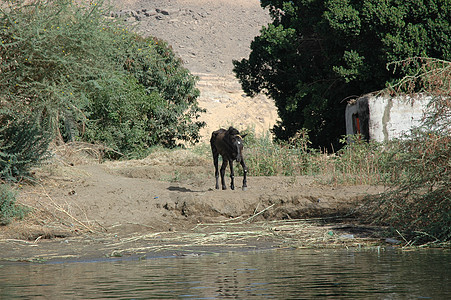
[{"x": 300, "y": 274}]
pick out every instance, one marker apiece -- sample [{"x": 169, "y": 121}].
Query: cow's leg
[
  {"x": 232, "y": 175},
  {"x": 244, "y": 174},
  {"x": 215, "y": 161},
  {"x": 223, "y": 167}
]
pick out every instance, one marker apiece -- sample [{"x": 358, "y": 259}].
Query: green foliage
[
  {"x": 316, "y": 54},
  {"x": 22, "y": 146},
  {"x": 118, "y": 116},
  {"x": 9, "y": 210},
  {"x": 174, "y": 107},
  {"x": 63, "y": 62}
]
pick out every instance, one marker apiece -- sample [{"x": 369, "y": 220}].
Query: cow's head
[{"x": 237, "y": 143}]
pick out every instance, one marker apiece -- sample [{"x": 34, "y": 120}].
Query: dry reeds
[{"x": 205, "y": 237}]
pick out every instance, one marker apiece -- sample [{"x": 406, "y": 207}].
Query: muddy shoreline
[{"x": 202, "y": 239}]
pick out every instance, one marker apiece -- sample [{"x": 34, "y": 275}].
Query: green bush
[
  {"x": 63, "y": 62},
  {"x": 170, "y": 90},
  {"x": 49, "y": 51},
  {"x": 119, "y": 116},
  {"x": 9, "y": 210}
]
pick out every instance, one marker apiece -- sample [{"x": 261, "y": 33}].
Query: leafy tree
[
  {"x": 83, "y": 76},
  {"x": 317, "y": 53},
  {"x": 153, "y": 101}
]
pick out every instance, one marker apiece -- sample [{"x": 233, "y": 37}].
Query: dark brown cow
[{"x": 228, "y": 144}]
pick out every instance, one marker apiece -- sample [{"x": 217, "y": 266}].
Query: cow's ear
[{"x": 243, "y": 135}]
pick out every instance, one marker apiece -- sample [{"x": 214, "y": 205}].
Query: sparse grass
[{"x": 356, "y": 163}]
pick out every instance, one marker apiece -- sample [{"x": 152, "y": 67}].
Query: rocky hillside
[{"x": 207, "y": 34}]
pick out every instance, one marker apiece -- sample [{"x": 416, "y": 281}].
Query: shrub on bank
[
  {"x": 22, "y": 145},
  {"x": 418, "y": 202},
  {"x": 9, "y": 210}
]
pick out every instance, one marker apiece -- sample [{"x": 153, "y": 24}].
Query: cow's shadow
[{"x": 180, "y": 189}]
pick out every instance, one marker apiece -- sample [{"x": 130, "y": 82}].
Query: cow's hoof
[{"x": 244, "y": 188}]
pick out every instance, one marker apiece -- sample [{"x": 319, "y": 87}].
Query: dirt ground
[{"x": 166, "y": 204}]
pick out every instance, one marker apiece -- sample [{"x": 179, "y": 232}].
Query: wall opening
[{"x": 356, "y": 123}]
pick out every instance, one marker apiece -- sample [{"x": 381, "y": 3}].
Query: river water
[{"x": 277, "y": 274}]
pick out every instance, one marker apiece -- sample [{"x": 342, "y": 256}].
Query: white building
[{"x": 383, "y": 118}]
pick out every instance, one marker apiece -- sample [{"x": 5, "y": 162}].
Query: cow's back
[{"x": 218, "y": 143}]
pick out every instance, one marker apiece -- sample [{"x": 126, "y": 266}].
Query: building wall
[{"x": 386, "y": 118}]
